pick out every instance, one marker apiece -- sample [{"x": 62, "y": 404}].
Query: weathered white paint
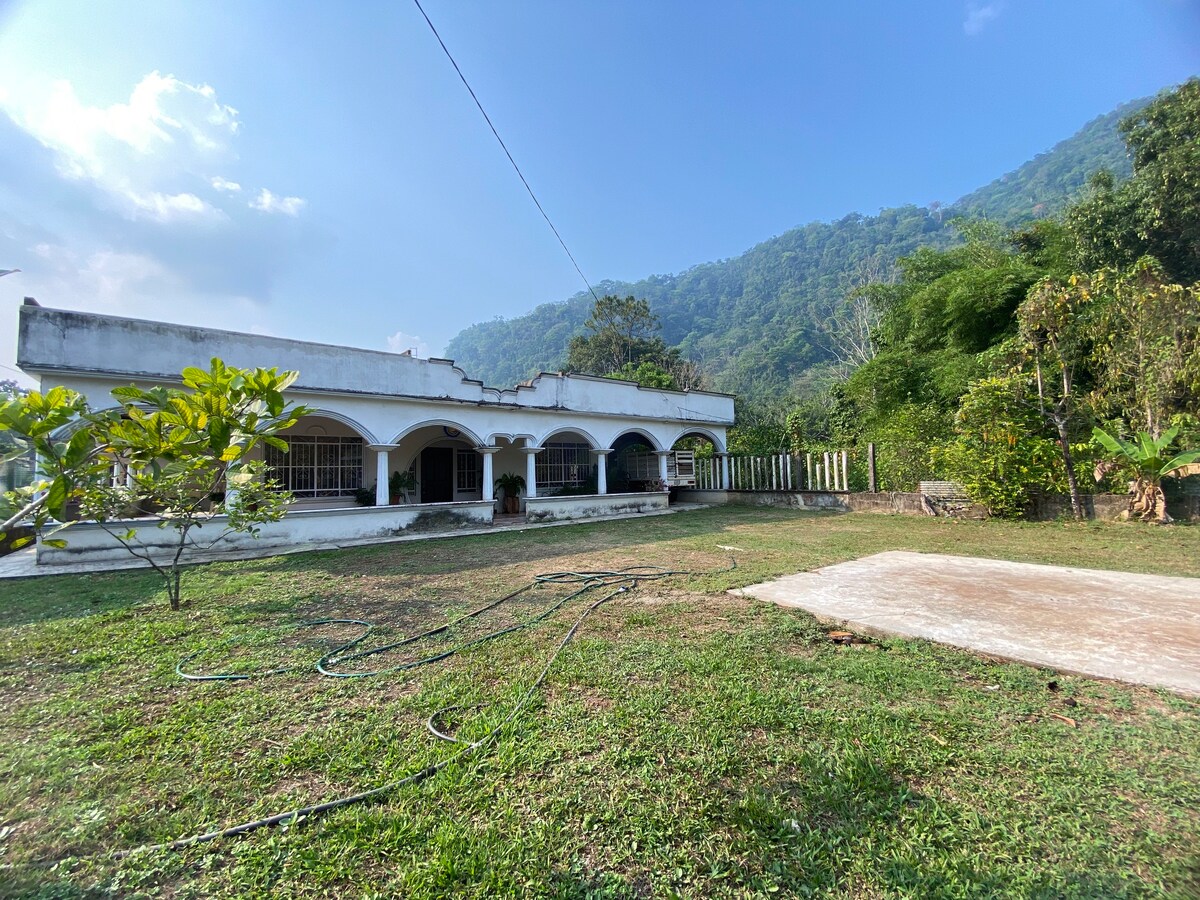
[
  {"x": 531, "y": 471},
  {"x": 489, "y": 479},
  {"x": 602, "y": 471},
  {"x": 87, "y": 541},
  {"x": 398, "y": 405},
  {"x": 552, "y": 509},
  {"x": 381, "y": 396},
  {"x": 382, "y": 453}
]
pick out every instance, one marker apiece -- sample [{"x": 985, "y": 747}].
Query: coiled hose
[{"x": 620, "y": 580}]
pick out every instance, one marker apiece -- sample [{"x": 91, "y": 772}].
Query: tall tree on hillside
[
  {"x": 851, "y": 334},
  {"x": 620, "y": 331},
  {"x": 1157, "y": 211}
]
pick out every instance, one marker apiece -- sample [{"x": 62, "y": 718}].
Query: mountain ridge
[{"x": 752, "y": 320}]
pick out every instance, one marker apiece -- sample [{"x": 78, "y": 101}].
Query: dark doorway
[{"x": 437, "y": 474}]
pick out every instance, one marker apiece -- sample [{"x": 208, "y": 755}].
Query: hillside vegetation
[{"x": 753, "y": 322}]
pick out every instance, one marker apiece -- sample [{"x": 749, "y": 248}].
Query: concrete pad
[{"x": 1139, "y": 628}]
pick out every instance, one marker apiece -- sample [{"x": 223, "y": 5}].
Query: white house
[{"x": 376, "y": 413}]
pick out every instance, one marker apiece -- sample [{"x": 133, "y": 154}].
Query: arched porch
[{"x": 324, "y": 464}]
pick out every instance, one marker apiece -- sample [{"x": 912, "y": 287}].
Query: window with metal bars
[
  {"x": 318, "y": 465},
  {"x": 468, "y": 470},
  {"x": 564, "y": 465}
]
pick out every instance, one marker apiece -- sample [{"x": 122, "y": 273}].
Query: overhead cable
[{"x": 517, "y": 168}]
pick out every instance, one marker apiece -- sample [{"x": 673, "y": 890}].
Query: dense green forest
[
  {"x": 755, "y": 323},
  {"x": 1041, "y": 359}
]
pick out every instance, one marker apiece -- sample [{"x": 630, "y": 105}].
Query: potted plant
[
  {"x": 512, "y": 485},
  {"x": 401, "y": 485}
]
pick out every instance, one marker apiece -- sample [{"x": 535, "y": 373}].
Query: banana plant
[{"x": 1151, "y": 461}]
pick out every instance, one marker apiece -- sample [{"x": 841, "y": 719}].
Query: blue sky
[{"x": 317, "y": 171}]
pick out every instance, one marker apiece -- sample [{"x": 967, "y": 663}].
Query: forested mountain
[
  {"x": 1043, "y": 185},
  {"x": 753, "y": 321}
]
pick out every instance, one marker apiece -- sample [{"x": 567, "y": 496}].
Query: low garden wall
[
  {"x": 1095, "y": 506},
  {"x": 835, "y": 500},
  {"x": 588, "y": 506},
  {"x": 88, "y": 542},
  {"x": 1110, "y": 506}
]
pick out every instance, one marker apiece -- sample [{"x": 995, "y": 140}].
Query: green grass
[{"x": 687, "y": 743}]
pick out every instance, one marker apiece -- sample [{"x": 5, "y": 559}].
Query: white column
[
  {"x": 489, "y": 485},
  {"x": 602, "y": 471},
  {"x": 531, "y": 470},
  {"x": 724, "y": 471},
  {"x": 381, "y": 472},
  {"x": 231, "y": 492},
  {"x": 662, "y": 464},
  {"x": 845, "y": 471}
]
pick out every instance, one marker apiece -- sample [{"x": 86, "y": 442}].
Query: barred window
[
  {"x": 468, "y": 470},
  {"x": 564, "y": 465},
  {"x": 318, "y": 466}
]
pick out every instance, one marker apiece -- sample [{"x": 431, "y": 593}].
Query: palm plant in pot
[
  {"x": 512, "y": 485},
  {"x": 401, "y": 485}
]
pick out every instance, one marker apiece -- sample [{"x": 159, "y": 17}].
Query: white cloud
[
  {"x": 401, "y": 342},
  {"x": 145, "y": 153},
  {"x": 980, "y": 15},
  {"x": 269, "y": 203},
  {"x": 119, "y": 209},
  {"x": 225, "y": 185}
]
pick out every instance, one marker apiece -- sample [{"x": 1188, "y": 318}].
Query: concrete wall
[
  {"x": 784, "y": 499},
  {"x": 88, "y": 542},
  {"x": 1096, "y": 506},
  {"x": 381, "y": 396},
  {"x": 1110, "y": 506},
  {"x": 554, "y": 509},
  {"x": 886, "y": 502}
]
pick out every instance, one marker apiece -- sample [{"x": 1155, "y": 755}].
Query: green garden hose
[{"x": 620, "y": 581}]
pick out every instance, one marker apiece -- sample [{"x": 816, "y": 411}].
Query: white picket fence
[{"x": 827, "y": 471}]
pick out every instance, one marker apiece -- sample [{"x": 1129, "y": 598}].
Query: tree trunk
[
  {"x": 1147, "y": 502},
  {"x": 1072, "y": 483}
]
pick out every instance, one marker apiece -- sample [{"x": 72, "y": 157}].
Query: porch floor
[{"x": 23, "y": 563}]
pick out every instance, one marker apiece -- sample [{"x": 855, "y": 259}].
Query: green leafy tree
[
  {"x": 1157, "y": 211},
  {"x": 1146, "y": 354},
  {"x": 906, "y": 442},
  {"x": 647, "y": 374},
  {"x": 621, "y": 332},
  {"x": 1149, "y": 459},
  {"x": 1054, "y": 346},
  {"x": 184, "y": 453},
  {"x": 999, "y": 453}
]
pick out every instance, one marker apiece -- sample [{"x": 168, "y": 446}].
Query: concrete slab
[{"x": 1138, "y": 628}]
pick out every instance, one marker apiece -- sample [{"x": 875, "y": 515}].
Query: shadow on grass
[
  {"x": 74, "y": 596},
  {"x": 850, "y": 822},
  {"x": 465, "y": 553}
]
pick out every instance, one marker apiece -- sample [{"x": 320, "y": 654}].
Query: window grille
[
  {"x": 468, "y": 470},
  {"x": 564, "y": 465},
  {"x": 317, "y": 466}
]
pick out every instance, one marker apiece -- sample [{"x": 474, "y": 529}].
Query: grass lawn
[{"x": 686, "y": 743}]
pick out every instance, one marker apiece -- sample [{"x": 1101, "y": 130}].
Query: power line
[{"x": 488, "y": 119}]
